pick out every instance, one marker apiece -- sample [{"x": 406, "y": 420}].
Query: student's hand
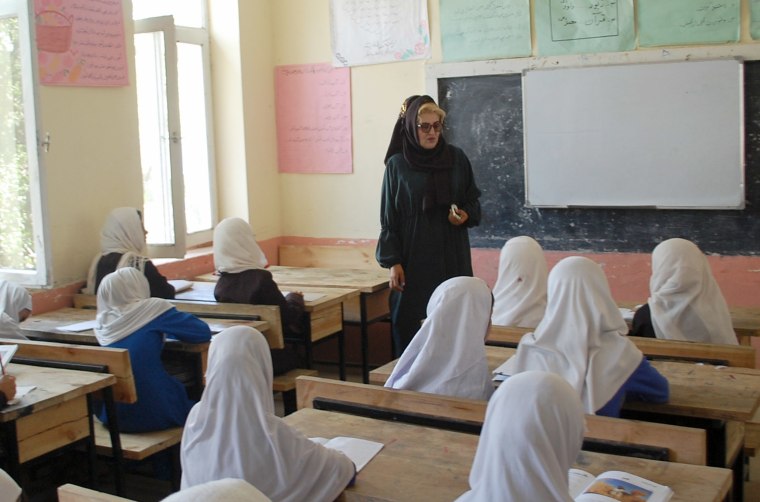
[
  {"x": 463, "y": 217},
  {"x": 8, "y": 386},
  {"x": 398, "y": 279}
]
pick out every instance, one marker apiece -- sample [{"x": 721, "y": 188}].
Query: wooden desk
[
  {"x": 324, "y": 315},
  {"x": 420, "y": 463},
  {"x": 53, "y": 415},
  {"x": 370, "y": 307},
  {"x": 177, "y": 356}
]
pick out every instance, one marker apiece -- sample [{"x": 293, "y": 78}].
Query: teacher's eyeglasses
[{"x": 426, "y": 127}]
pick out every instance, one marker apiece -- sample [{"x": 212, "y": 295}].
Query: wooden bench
[
  {"x": 683, "y": 444},
  {"x": 75, "y": 493},
  {"x": 133, "y": 446},
  {"x": 729, "y": 355},
  {"x": 291, "y": 255},
  {"x": 285, "y": 384}
]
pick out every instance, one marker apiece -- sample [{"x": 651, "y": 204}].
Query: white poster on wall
[{"x": 378, "y": 31}]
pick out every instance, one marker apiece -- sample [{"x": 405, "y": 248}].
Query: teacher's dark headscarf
[{"x": 437, "y": 161}]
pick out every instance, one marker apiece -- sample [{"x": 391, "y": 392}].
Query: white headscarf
[
  {"x": 13, "y": 299},
  {"x": 447, "y": 355},
  {"x": 10, "y": 491},
  {"x": 581, "y": 336},
  {"x": 235, "y": 247},
  {"x": 123, "y": 232},
  {"x": 124, "y": 305},
  {"x": 233, "y": 431},
  {"x": 532, "y": 433},
  {"x": 520, "y": 290},
  {"x": 686, "y": 302},
  {"x": 223, "y": 490}
]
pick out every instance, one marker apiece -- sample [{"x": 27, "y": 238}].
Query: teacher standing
[{"x": 423, "y": 237}]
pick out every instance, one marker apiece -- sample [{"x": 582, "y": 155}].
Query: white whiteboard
[{"x": 665, "y": 135}]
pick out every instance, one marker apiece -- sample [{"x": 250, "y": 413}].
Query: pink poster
[
  {"x": 313, "y": 110},
  {"x": 81, "y": 42}
]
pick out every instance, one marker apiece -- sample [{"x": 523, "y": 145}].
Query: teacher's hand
[
  {"x": 398, "y": 280},
  {"x": 463, "y": 217}
]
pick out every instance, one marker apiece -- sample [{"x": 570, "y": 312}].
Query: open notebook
[{"x": 360, "y": 451}]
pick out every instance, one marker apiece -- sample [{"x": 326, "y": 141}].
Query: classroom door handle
[{"x": 175, "y": 138}]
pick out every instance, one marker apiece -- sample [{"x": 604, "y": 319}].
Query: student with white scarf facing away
[
  {"x": 520, "y": 289},
  {"x": 233, "y": 431},
  {"x": 243, "y": 278},
  {"x": 532, "y": 433},
  {"x": 129, "y": 319},
  {"x": 15, "y": 307},
  {"x": 582, "y": 338},
  {"x": 447, "y": 355},
  {"x": 122, "y": 244},
  {"x": 685, "y": 302}
]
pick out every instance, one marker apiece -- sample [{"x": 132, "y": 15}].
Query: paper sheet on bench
[
  {"x": 180, "y": 285},
  {"x": 79, "y": 326},
  {"x": 307, "y": 297},
  {"x": 21, "y": 391},
  {"x": 360, "y": 451}
]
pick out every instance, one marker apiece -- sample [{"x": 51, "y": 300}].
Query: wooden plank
[
  {"x": 734, "y": 355},
  {"x": 328, "y": 256},
  {"x": 52, "y": 428},
  {"x": 137, "y": 446},
  {"x": 117, "y": 360},
  {"x": 74, "y": 493},
  {"x": 686, "y": 445},
  {"x": 438, "y": 467},
  {"x": 287, "y": 382}
]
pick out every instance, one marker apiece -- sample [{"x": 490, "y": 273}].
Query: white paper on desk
[
  {"x": 79, "y": 326},
  {"x": 360, "y": 451},
  {"x": 307, "y": 297},
  {"x": 21, "y": 391},
  {"x": 626, "y": 313},
  {"x": 180, "y": 285},
  {"x": 6, "y": 353}
]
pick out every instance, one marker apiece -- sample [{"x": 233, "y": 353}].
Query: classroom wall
[{"x": 92, "y": 166}]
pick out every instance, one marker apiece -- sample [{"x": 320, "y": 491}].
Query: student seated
[
  {"x": 447, "y": 355},
  {"x": 520, "y": 289},
  {"x": 243, "y": 278},
  {"x": 7, "y": 389},
  {"x": 129, "y": 319},
  {"x": 685, "y": 302},
  {"x": 532, "y": 433},
  {"x": 15, "y": 307},
  {"x": 222, "y": 490},
  {"x": 233, "y": 431},
  {"x": 122, "y": 244},
  {"x": 10, "y": 491},
  {"x": 582, "y": 338}
]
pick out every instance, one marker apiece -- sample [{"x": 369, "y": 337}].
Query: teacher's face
[{"x": 428, "y": 130}]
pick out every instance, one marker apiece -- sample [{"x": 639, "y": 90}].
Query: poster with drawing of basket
[{"x": 53, "y": 31}]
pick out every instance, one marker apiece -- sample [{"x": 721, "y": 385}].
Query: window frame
[{"x": 41, "y": 275}]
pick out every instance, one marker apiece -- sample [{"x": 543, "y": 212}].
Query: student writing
[{"x": 15, "y": 307}]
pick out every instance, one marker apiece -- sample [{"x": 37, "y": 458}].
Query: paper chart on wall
[
  {"x": 378, "y": 31},
  {"x": 579, "y": 26},
  {"x": 81, "y": 43},
  {"x": 485, "y": 29},
  {"x": 678, "y": 22}
]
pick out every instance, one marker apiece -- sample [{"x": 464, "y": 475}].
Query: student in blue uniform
[
  {"x": 128, "y": 318},
  {"x": 582, "y": 338}
]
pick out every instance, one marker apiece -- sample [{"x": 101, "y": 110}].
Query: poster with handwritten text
[
  {"x": 313, "y": 112},
  {"x": 81, "y": 42},
  {"x": 378, "y": 31},
  {"x": 485, "y": 29},
  {"x": 583, "y": 26},
  {"x": 677, "y": 22}
]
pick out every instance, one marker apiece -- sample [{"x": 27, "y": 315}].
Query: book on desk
[{"x": 615, "y": 485}]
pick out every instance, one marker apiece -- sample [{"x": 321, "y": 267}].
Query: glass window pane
[
  {"x": 185, "y": 12},
  {"x": 16, "y": 233},
  {"x": 195, "y": 158},
  {"x": 154, "y": 144}
]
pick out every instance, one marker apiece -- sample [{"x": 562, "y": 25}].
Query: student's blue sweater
[
  {"x": 162, "y": 401},
  {"x": 645, "y": 384}
]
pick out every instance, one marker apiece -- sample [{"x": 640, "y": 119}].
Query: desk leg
[
  {"x": 113, "y": 430},
  {"x": 342, "y": 348},
  {"x": 308, "y": 344},
  {"x": 92, "y": 457},
  {"x": 364, "y": 337}
]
